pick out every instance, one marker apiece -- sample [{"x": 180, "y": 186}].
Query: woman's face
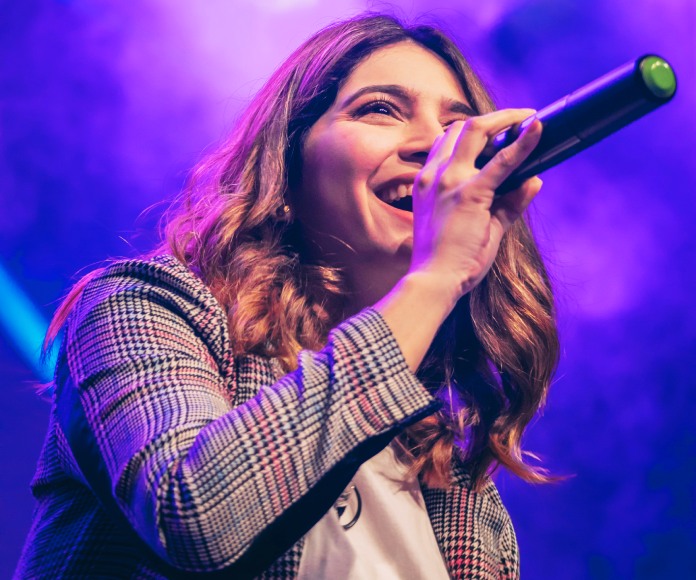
[{"x": 364, "y": 153}]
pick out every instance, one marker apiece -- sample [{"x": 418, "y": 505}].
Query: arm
[{"x": 205, "y": 485}]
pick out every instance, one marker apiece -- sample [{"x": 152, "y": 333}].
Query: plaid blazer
[{"x": 168, "y": 455}]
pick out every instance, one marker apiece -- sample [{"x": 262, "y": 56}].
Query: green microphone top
[{"x": 658, "y": 76}]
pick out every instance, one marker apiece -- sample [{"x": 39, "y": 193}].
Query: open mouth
[
  {"x": 399, "y": 197},
  {"x": 404, "y": 203}
]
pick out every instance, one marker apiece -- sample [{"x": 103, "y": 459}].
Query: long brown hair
[{"x": 493, "y": 359}]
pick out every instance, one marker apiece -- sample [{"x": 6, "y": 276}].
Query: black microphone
[{"x": 587, "y": 115}]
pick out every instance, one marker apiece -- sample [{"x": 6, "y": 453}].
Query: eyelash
[
  {"x": 373, "y": 107},
  {"x": 392, "y": 110}
]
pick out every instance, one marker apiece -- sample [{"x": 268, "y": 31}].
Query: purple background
[{"x": 105, "y": 106}]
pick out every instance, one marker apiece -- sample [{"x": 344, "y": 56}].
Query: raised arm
[{"x": 208, "y": 485}]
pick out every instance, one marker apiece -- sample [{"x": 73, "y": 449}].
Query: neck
[{"x": 367, "y": 282}]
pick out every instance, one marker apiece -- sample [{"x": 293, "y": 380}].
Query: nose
[{"x": 418, "y": 140}]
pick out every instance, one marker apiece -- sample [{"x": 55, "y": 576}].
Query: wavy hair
[{"x": 493, "y": 359}]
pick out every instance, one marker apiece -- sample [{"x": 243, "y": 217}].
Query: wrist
[
  {"x": 414, "y": 310},
  {"x": 435, "y": 288},
  {"x": 432, "y": 290}
]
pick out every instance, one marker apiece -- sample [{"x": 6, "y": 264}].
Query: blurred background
[{"x": 105, "y": 106}]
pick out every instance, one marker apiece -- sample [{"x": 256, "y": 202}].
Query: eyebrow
[{"x": 452, "y": 105}]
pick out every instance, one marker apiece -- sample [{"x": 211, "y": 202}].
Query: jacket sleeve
[{"x": 207, "y": 486}]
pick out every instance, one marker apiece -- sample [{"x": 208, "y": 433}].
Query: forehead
[{"x": 407, "y": 64}]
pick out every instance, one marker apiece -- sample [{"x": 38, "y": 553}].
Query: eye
[
  {"x": 447, "y": 124},
  {"x": 378, "y": 107}
]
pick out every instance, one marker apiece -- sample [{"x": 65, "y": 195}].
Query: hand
[{"x": 458, "y": 223}]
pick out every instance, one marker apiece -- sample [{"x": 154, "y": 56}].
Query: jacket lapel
[{"x": 473, "y": 529}]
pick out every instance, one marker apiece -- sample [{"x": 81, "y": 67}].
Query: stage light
[{"x": 25, "y": 326}]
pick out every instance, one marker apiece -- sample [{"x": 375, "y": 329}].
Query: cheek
[
  {"x": 339, "y": 164},
  {"x": 333, "y": 158},
  {"x": 327, "y": 182},
  {"x": 345, "y": 156},
  {"x": 319, "y": 199}
]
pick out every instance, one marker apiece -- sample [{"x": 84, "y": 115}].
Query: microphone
[{"x": 587, "y": 115}]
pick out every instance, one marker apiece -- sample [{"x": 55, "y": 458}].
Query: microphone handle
[{"x": 587, "y": 115}]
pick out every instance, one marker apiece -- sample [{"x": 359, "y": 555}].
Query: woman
[{"x": 216, "y": 401}]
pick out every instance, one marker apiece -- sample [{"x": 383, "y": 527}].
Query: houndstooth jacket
[{"x": 168, "y": 456}]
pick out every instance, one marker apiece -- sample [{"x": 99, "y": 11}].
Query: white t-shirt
[{"x": 388, "y": 533}]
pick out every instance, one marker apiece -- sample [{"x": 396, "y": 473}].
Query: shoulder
[
  {"x": 163, "y": 272},
  {"x": 128, "y": 299},
  {"x": 160, "y": 277}
]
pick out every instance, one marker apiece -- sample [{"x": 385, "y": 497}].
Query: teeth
[{"x": 395, "y": 193}]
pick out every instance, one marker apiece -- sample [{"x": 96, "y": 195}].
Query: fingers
[
  {"x": 469, "y": 137},
  {"x": 508, "y": 159},
  {"x": 477, "y": 131},
  {"x": 509, "y": 207},
  {"x": 451, "y": 161},
  {"x": 450, "y": 169}
]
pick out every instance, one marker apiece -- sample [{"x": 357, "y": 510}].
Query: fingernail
[{"x": 534, "y": 125}]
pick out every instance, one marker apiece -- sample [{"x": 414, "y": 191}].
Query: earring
[{"x": 284, "y": 213}]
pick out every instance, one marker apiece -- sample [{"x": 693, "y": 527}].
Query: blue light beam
[{"x": 25, "y": 326}]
